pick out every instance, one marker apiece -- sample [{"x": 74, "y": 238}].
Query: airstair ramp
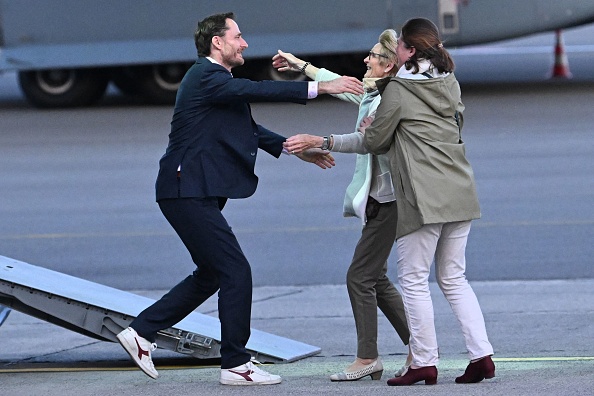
[{"x": 101, "y": 312}]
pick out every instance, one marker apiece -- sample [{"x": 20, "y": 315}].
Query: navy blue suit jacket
[{"x": 213, "y": 135}]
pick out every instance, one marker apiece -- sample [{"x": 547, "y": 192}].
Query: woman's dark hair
[
  {"x": 423, "y": 35},
  {"x": 209, "y": 27}
]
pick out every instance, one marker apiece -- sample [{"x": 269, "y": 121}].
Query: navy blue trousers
[{"x": 221, "y": 266}]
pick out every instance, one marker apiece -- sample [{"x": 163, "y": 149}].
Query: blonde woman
[{"x": 370, "y": 197}]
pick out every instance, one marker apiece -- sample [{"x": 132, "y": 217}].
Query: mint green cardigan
[{"x": 372, "y": 175}]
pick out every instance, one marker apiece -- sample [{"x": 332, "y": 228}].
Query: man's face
[{"x": 233, "y": 45}]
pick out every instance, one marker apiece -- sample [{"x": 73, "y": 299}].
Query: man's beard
[{"x": 233, "y": 60}]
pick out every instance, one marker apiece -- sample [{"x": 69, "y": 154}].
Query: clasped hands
[
  {"x": 307, "y": 147},
  {"x": 303, "y": 141},
  {"x": 321, "y": 158}
]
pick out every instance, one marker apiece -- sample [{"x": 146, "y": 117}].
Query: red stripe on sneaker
[
  {"x": 245, "y": 374},
  {"x": 141, "y": 351}
]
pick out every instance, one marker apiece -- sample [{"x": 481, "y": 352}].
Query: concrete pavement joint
[{"x": 477, "y": 224}]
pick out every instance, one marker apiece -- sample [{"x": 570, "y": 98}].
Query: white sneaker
[
  {"x": 248, "y": 374},
  {"x": 139, "y": 350}
]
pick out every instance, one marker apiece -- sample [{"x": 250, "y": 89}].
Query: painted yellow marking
[
  {"x": 545, "y": 359},
  {"x": 193, "y": 367},
  {"x": 91, "y": 368}
]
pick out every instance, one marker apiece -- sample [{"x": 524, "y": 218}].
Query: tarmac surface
[{"x": 541, "y": 331}]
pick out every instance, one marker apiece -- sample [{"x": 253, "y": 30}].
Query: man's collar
[
  {"x": 212, "y": 60},
  {"x": 217, "y": 63}
]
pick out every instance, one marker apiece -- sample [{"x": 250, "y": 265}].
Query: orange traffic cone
[{"x": 561, "y": 66}]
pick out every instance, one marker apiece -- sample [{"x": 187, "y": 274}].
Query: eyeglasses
[{"x": 376, "y": 55}]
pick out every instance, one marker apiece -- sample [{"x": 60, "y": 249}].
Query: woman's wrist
[{"x": 303, "y": 67}]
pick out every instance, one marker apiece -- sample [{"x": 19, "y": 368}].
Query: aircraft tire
[
  {"x": 123, "y": 79},
  {"x": 154, "y": 84},
  {"x": 56, "y": 88}
]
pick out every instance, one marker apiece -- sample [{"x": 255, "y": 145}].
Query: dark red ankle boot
[
  {"x": 478, "y": 371},
  {"x": 412, "y": 376}
]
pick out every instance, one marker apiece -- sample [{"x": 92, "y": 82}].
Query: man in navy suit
[{"x": 210, "y": 158}]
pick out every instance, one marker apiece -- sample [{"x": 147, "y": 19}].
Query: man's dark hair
[{"x": 214, "y": 25}]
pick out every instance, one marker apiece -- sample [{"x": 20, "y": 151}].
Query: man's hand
[
  {"x": 321, "y": 158},
  {"x": 340, "y": 85},
  {"x": 298, "y": 143}
]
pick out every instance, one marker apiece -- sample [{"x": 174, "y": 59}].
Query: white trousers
[{"x": 446, "y": 244}]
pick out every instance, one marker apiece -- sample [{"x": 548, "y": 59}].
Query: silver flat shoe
[{"x": 374, "y": 369}]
